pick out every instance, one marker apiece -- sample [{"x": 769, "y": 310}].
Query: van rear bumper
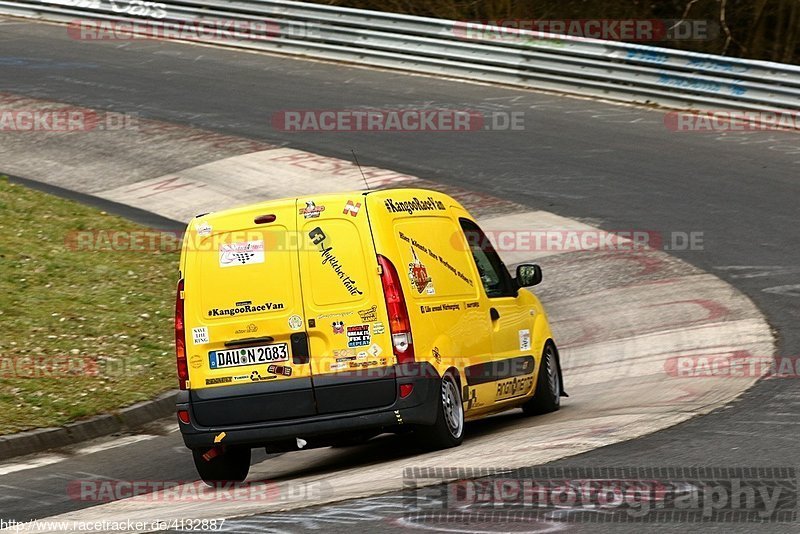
[{"x": 418, "y": 408}]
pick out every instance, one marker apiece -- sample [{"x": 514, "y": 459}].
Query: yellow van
[{"x": 309, "y": 322}]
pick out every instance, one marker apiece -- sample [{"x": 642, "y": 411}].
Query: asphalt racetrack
[{"x": 615, "y": 167}]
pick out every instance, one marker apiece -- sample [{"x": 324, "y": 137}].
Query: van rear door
[
  {"x": 351, "y": 356},
  {"x": 246, "y": 341}
]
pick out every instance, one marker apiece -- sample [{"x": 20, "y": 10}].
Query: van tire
[
  {"x": 232, "y": 465},
  {"x": 547, "y": 396},
  {"x": 448, "y": 430}
]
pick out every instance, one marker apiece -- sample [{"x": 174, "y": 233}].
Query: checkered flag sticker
[
  {"x": 237, "y": 254},
  {"x": 243, "y": 257}
]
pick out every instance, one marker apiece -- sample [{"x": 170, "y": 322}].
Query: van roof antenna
[{"x": 355, "y": 158}]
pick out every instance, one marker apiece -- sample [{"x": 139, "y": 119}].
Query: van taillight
[
  {"x": 399, "y": 323},
  {"x": 180, "y": 339}
]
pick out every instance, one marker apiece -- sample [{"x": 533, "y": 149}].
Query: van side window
[{"x": 494, "y": 275}]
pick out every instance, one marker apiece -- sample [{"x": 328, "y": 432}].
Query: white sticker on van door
[
  {"x": 245, "y": 253},
  {"x": 358, "y": 335},
  {"x": 204, "y": 229},
  {"x": 200, "y": 335},
  {"x": 295, "y": 322},
  {"x": 524, "y": 340}
]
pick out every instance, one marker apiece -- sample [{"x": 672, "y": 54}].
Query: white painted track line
[
  {"x": 40, "y": 460},
  {"x": 33, "y": 463}
]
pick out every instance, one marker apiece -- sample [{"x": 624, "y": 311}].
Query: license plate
[{"x": 278, "y": 352}]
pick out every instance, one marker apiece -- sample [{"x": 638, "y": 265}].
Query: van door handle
[
  {"x": 494, "y": 314},
  {"x": 249, "y": 341},
  {"x": 300, "y": 353}
]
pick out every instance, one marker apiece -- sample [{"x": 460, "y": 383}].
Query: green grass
[{"x": 82, "y": 332}]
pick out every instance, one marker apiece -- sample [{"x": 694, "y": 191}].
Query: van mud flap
[{"x": 253, "y": 403}]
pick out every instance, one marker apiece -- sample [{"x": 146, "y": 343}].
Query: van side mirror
[{"x": 528, "y": 274}]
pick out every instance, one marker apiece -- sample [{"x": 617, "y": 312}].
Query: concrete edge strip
[
  {"x": 129, "y": 418},
  {"x": 139, "y": 216}
]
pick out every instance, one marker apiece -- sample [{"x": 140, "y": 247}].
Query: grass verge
[{"x": 83, "y": 329}]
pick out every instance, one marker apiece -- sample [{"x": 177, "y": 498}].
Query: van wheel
[
  {"x": 547, "y": 396},
  {"x": 448, "y": 430},
  {"x": 232, "y": 465}
]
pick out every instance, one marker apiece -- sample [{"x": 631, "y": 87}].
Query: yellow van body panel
[
  {"x": 261, "y": 277},
  {"x": 242, "y": 281},
  {"x": 450, "y": 313}
]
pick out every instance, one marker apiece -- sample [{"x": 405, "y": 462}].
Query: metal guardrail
[{"x": 606, "y": 69}]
